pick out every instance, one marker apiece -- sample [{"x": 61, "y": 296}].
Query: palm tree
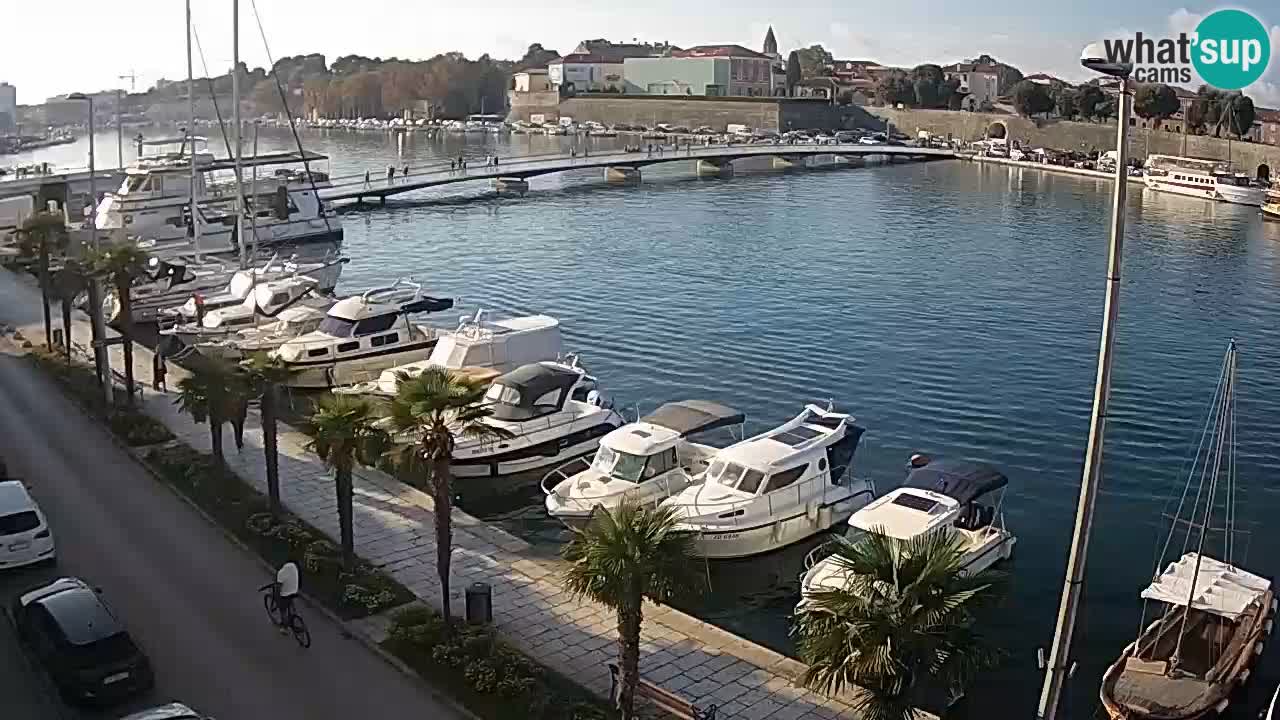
[
  {"x": 119, "y": 265},
  {"x": 904, "y": 622},
  {"x": 265, "y": 374},
  {"x": 40, "y": 235},
  {"x": 345, "y": 432},
  {"x": 209, "y": 394},
  {"x": 434, "y": 409},
  {"x": 623, "y": 556}
]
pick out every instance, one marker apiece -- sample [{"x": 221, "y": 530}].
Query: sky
[{"x": 145, "y": 37}]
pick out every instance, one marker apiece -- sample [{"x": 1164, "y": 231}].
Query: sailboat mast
[
  {"x": 235, "y": 127},
  {"x": 1225, "y": 417},
  {"x": 1056, "y": 670},
  {"x": 190, "y": 139}
]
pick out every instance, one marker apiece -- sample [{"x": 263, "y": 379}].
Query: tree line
[{"x": 1210, "y": 111}]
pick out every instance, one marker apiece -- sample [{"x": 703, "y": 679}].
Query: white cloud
[{"x": 1183, "y": 20}]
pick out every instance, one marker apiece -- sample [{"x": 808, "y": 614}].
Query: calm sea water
[{"x": 953, "y": 308}]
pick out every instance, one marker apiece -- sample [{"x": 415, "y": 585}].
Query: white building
[
  {"x": 532, "y": 80},
  {"x": 596, "y": 65},
  {"x": 8, "y": 106},
  {"x": 979, "y": 82}
]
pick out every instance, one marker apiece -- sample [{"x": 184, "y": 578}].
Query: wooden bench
[{"x": 664, "y": 699}]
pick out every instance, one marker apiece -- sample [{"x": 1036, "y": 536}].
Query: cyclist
[{"x": 286, "y": 590}]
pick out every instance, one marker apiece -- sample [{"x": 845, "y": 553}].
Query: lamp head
[{"x": 1094, "y": 57}]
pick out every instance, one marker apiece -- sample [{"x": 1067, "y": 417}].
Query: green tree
[
  {"x": 903, "y": 623},
  {"x": 345, "y": 432},
  {"x": 896, "y": 87},
  {"x": 1155, "y": 101},
  {"x": 265, "y": 374},
  {"x": 119, "y": 266},
  {"x": 1089, "y": 101},
  {"x": 793, "y": 72},
  {"x": 815, "y": 62},
  {"x": 1065, "y": 99},
  {"x": 1031, "y": 98},
  {"x": 1240, "y": 114},
  {"x": 623, "y": 556},
  {"x": 433, "y": 410},
  {"x": 536, "y": 57},
  {"x": 40, "y": 236},
  {"x": 209, "y": 394}
]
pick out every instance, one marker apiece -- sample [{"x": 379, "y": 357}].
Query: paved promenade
[{"x": 394, "y": 529}]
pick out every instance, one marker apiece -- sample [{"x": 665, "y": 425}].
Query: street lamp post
[
  {"x": 1058, "y": 667},
  {"x": 100, "y": 359},
  {"x": 120, "y": 129}
]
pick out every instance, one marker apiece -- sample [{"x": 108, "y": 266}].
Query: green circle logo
[{"x": 1231, "y": 49}]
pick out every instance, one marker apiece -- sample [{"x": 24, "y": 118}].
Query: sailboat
[{"x": 1212, "y": 615}]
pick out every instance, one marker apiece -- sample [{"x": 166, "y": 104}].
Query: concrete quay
[{"x": 394, "y": 529}]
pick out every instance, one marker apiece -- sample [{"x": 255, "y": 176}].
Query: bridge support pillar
[
  {"x": 854, "y": 160},
  {"x": 622, "y": 174},
  {"x": 788, "y": 162},
  {"x": 715, "y": 168},
  {"x": 511, "y": 185}
]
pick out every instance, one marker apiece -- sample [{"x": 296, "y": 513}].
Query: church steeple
[{"x": 770, "y": 43}]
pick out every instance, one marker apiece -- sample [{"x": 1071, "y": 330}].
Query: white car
[
  {"x": 25, "y": 538},
  {"x": 172, "y": 711}
]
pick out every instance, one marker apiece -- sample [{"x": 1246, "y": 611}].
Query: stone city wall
[{"x": 1067, "y": 135}]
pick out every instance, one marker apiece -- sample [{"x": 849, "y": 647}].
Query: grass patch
[
  {"x": 131, "y": 426},
  {"x": 489, "y": 677},
  {"x": 245, "y": 512}
]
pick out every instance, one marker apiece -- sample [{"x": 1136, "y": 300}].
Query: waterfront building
[
  {"x": 980, "y": 84},
  {"x": 709, "y": 70},
  {"x": 532, "y": 80},
  {"x": 8, "y": 107},
  {"x": 596, "y": 65},
  {"x": 1266, "y": 126}
]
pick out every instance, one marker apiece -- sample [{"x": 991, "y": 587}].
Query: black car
[{"x": 74, "y": 637}]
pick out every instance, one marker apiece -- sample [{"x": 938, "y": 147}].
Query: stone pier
[
  {"x": 622, "y": 174},
  {"x": 511, "y": 185},
  {"x": 715, "y": 168},
  {"x": 789, "y": 162}
]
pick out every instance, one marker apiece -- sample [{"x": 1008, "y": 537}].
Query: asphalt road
[{"x": 186, "y": 594}]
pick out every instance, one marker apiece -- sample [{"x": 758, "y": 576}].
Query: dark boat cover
[
  {"x": 532, "y": 382},
  {"x": 691, "y": 416},
  {"x": 426, "y": 305},
  {"x": 962, "y": 480}
]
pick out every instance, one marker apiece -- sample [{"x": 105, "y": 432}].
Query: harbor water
[{"x": 954, "y": 308}]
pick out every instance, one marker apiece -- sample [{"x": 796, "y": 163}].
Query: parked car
[
  {"x": 71, "y": 634},
  {"x": 25, "y": 537},
  {"x": 172, "y": 711}
]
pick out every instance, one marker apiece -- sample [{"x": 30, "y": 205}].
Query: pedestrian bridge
[{"x": 512, "y": 175}]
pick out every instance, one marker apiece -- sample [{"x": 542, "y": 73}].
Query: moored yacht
[
  {"x": 260, "y": 306},
  {"x": 1195, "y": 177},
  {"x": 173, "y": 284},
  {"x": 486, "y": 347},
  {"x": 553, "y": 410},
  {"x": 646, "y": 461},
  {"x": 264, "y": 338},
  {"x": 362, "y": 336},
  {"x": 775, "y": 489},
  {"x": 939, "y": 496},
  {"x": 1271, "y": 208}
]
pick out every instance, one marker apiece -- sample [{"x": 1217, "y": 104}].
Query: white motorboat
[
  {"x": 646, "y": 461},
  {"x": 479, "y": 344},
  {"x": 554, "y": 412},
  {"x": 1196, "y": 177},
  {"x": 362, "y": 336},
  {"x": 266, "y": 337},
  {"x": 1273, "y": 710},
  {"x": 174, "y": 285},
  {"x": 153, "y": 202},
  {"x": 775, "y": 489},
  {"x": 261, "y": 306},
  {"x": 939, "y": 496}
]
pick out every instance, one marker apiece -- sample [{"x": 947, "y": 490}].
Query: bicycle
[{"x": 294, "y": 623}]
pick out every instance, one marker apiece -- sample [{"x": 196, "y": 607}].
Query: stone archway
[
  {"x": 1264, "y": 172},
  {"x": 998, "y": 130}
]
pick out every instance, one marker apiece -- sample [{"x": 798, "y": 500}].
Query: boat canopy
[
  {"x": 1220, "y": 589},
  {"x": 532, "y": 382},
  {"x": 962, "y": 480},
  {"x": 687, "y": 417},
  {"x": 426, "y": 305}
]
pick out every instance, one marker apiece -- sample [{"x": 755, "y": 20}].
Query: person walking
[
  {"x": 495, "y": 160},
  {"x": 239, "y": 415},
  {"x": 405, "y": 173},
  {"x": 391, "y": 174},
  {"x": 366, "y": 178},
  {"x": 453, "y": 165},
  {"x": 158, "y": 370}
]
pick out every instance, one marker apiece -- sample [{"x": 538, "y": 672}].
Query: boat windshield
[
  {"x": 336, "y": 327},
  {"x": 503, "y": 394},
  {"x": 623, "y": 466},
  {"x": 1232, "y": 180},
  {"x": 735, "y": 476}
]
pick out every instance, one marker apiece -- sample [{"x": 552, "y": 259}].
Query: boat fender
[
  {"x": 811, "y": 511},
  {"x": 1221, "y": 707},
  {"x": 1257, "y": 649},
  {"x": 1270, "y": 626},
  {"x": 1244, "y": 677}
]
